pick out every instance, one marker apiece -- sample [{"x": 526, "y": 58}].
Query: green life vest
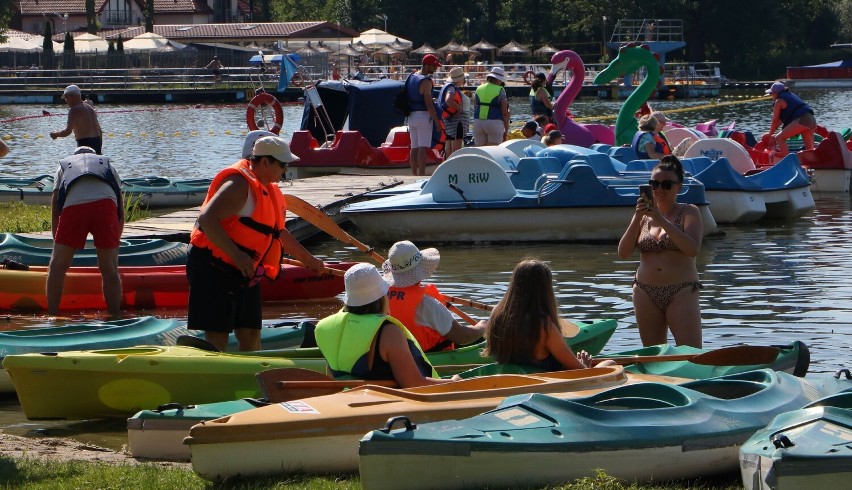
[
  {"x": 344, "y": 338},
  {"x": 487, "y": 105}
]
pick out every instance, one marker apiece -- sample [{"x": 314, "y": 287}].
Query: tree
[
  {"x": 68, "y": 58},
  {"x": 149, "y": 15},
  {"x": 47, "y": 47},
  {"x": 91, "y": 17}
]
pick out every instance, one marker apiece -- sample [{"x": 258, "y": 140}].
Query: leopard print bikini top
[{"x": 649, "y": 243}]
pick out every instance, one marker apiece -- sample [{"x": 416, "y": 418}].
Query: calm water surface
[{"x": 765, "y": 283}]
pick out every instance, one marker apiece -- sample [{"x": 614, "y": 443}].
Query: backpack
[{"x": 401, "y": 102}]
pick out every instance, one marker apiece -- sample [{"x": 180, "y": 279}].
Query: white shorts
[
  {"x": 487, "y": 132},
  {"x": 420, "y": 129}
]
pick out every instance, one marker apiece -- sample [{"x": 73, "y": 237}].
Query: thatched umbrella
[
  {"x": 322, "y": 48},
  {"x": 451, "y": 47},
  {"x": 307, "y": 50},
  {"x": 514, "y": 48},
  {"x": 399, "y": 45},
  {"x": 545, "y": 50},
  {"x": 424, "y": 50},
  {"x": 387, "y": 51},
  {"x": 360, "y": 47},
  {"x": 483, "y": 45},
  {"x": 348, "y": 50}
]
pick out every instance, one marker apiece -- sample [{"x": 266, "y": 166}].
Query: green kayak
[
  {"x": 120, "y": 382},
  {"x": 159, "y": 192},
  {"x": 806, "y": 448},
  {"x": 132, "y": 251},
  {"x": 33, "y": 190}
]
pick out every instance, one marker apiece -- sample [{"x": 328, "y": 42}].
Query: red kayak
[{"x": 152, "y": 287}]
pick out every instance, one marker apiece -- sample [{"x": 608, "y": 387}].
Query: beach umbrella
[
  {"x": 424, "y": 50},
  {"x": 20, "y": 45},
  {"x": 399, "y": 45},
  {"x": 307, "y": 50},
  {"x": 150, "y": 41},
  {"x": 322, "y": 48},
  {"x": 348, "y": 50},
  {"x": 360, "y": 47},
  {"x": 451, "y": 47},
  {"x": 90, "y": 43},
  {"x": 545, "y": 50},
  {"x": 514, "y": 48},
  {"x": 483, "y": 45},
  {"x": 387, "y": 50},
  {"x": 377, "y": 38}
]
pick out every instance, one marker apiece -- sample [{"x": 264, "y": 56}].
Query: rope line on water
[{"x": 682, "y": 109}]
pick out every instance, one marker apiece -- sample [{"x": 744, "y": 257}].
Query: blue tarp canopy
[
  {"x": 367, "y": 104},
  {"x": 272, "y": 59},
  {"x": 833, "y": 64}
]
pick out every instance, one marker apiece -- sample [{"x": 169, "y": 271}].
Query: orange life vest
[
  {"x": 256, "y": 235},
  {"x": 661, "y": 142},
  {"x": 403, "y": 306}
]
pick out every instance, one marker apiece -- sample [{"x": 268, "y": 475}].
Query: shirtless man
[{"x": 82, "y": 120}]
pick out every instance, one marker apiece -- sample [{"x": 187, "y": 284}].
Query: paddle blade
[
  {"x": 738, "y": 355},
  {"x": 569, "y": 329}
]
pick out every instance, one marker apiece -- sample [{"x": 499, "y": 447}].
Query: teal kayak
[
  {"x": 806, "y": 448},
  {"x": 646, "y": 431},
  {"x": 32, "y": 190},
  {"x": 159, "y": 192},
  {"x": 132, "y": 251},
  {"x": 793, "y": 358}
]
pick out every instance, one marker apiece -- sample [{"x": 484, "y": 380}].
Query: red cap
[{"x": 431, "y": 59}]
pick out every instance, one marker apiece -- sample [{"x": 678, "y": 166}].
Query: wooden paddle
[
  {"x": 285, "y": 384},
  {"x": 324, "y": 222},
  {"x": 738, "y": 355},
  {"x": 569, "y": 328}
]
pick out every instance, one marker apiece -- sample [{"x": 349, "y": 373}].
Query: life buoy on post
[
  {"x": 529, "y": 77},
  {"x": 260, "y": 99},
  {"x": 297, "y": 80}
]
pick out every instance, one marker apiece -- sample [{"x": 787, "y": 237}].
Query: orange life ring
[
  {"x": 529, "y": 77},
  {"x": 260, "y": 99}
]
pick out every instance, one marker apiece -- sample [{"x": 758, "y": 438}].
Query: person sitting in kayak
[
  {"x": 421, "y": 307},
  {"x": 362, "y": 340},
  {"x": 524, "y": 326}
]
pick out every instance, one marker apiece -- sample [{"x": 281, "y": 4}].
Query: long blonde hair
[{"x": 518, "y": 321}]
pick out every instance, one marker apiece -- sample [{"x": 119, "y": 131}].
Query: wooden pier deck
[{"x": 329, "y": 192}]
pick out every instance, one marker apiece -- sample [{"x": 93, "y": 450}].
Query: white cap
[
  {"x": 71, "y": 90},
  {"x": 363, "y": 285},
  {"x": 275, "y": 147},
  {"x": 251, "y": 138},
  {"x": 407, "y": 265}
]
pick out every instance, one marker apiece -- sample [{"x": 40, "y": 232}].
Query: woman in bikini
[
  {"x": 523, "y": 326},
  {"x": 668, "y": 236}
]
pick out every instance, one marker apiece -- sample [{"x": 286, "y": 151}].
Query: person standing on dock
[
  {"x": 237, "y": 241},
  {"x": 423, "y": 114},
  {"x": 491, "y": 110},
  {"x": 82, "y": 121},
  {"x": 215, "y": 66},
  {"x": 793, "y": 115},
  {"x": 86, "y": 199}
]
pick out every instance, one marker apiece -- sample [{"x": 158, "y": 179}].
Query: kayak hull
[
  {"x": 807, "y": 448},
  {"x": 642, "y": 432},
  {"x": 150, "y": 287},
  {"x": 132, "y": 251}
]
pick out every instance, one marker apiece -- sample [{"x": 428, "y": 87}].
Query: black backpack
[{"x": 401, "y": 102}]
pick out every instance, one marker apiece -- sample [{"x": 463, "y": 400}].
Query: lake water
[{"x": 765, "y": 283}]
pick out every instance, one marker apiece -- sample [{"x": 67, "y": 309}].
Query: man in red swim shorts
[{"x": 86, "y": 199}]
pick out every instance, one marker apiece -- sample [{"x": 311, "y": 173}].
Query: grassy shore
[
  {"x": 17, "y": 217},
  {"x": 29, "y": 473}
]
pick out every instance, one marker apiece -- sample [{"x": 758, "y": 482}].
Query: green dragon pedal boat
[
  {"x": 807, "y": 448},
  {"x": 131, "y": 252},
  {"x": 638, "y": 432},
  {"x": 117, "y": 383}
]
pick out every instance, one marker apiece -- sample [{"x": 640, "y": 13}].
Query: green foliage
[
  {"x": 17, "y": 217},
  {"x": 149, "y": 15},
  {"x": 92, "y": 24},
  {"x": 68, "y": 45},
  {"x": 120, "y": 44},
  {"x": 47, "y": 43}
]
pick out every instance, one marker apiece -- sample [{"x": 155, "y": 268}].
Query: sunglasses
[{"x": 665, "y": 184}]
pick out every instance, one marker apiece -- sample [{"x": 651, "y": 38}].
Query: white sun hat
[
  {"x": 363, "y": 285},
  {"x": 407, "y": 265}
]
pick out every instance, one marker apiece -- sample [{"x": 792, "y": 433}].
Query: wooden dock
[{"x": 329, "y": 193}]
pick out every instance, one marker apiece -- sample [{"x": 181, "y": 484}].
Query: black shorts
[
  {"x": 95, "y": 143},
  {"x": 219, "y": 300}
]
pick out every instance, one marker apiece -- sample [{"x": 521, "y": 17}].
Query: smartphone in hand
[{"x": 646, "y": 194}]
